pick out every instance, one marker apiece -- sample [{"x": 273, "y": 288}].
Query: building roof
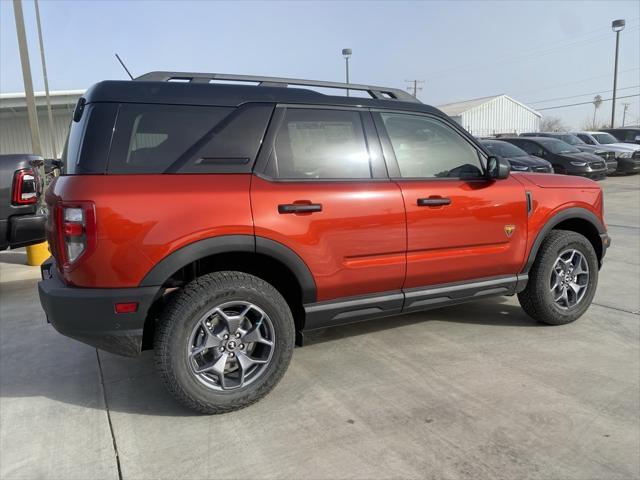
[
  {"x": 17, "y": 101},
  {"x": 458, "y": 108}
]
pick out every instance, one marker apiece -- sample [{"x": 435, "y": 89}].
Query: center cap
[{"x": 231, "y": 345}]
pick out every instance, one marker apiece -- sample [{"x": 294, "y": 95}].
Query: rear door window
[{"x": 320, "y": 144}]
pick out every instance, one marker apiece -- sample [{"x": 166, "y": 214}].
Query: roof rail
[{"x": 381, "y": 93}]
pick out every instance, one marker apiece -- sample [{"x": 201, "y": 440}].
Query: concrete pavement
[{"x": 477, "y": 390}]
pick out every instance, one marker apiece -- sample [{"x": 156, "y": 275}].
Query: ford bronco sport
[{"x": 217, "y": 223}]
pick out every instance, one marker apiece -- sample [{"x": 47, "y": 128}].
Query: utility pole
[
  {"x": 52, "y": 136},
  {"x": 26, "y": 76},
  {"x": 413, "y": 86},
  {"x": 624, "y": 112},
  {"x": 617, "y": 26}
]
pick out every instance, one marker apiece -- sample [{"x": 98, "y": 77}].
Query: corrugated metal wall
[
  {"x": 500, "y": 115},
  {"x": 15, "y": 136}
]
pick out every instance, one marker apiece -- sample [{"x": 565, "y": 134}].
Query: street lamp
[
  {"x": 346, "y": 53},
  {"x": 617, "y": 26}
]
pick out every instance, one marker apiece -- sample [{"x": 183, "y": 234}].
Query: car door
[
  {"x": 461, "y": 226},
  {"x": 321, "y": 189}
]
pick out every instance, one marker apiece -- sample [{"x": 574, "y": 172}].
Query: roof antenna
[{"x": 124, "y": 66}]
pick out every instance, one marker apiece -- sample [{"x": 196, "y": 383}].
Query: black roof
[{"x": 156, "y": 87}]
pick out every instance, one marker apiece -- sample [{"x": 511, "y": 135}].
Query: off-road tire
[
  {"x": 536, "y": 299},
  {"x": 179, "y": 318}
]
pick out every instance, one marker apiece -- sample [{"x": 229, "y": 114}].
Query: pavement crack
[
  {"x": 603, "y": 305},
  {"x": 106, "y": 405}
]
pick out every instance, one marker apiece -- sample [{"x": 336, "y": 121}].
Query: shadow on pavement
[
  {"x": 490, "y": 312},
  {"x": 14, "y": 257},
  {"x": 67, "y": 371}
]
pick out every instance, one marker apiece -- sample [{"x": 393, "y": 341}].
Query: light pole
[
  {"x": 346, "y": 53},
  {"x": 617, "y": 26}
]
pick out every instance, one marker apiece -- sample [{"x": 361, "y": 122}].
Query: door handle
[
  {"x": 300, "y": 208},
  {"x": 434, "y": 201}
]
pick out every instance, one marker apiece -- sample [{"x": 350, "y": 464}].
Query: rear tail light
[
  {"x": 24, "y": 188},
  {"x": 75, "y": 232}
]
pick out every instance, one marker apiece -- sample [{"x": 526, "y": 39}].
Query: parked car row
[{"x": 588, "y": 154}]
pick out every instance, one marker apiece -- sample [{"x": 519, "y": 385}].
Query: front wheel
[
  {"x": 224, "y": 342},
  {"x": 562, "y": 280}
]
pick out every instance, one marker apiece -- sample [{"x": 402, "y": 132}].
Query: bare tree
[
  {"x": 552, "y": 124},
  {"x": 593, "y": 124}
]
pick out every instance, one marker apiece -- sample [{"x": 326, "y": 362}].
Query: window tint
[
  {"x": 427, "y": 148},
  {"x": 322, "y": 144},
  {"x": 531, "y": 148},
  {"x": 150, "y": 138},
  {"x": 585, "y": 139}
]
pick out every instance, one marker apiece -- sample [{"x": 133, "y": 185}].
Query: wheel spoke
[
  {"x": 254, "y": 335},
  {"x": 216, "y": 367},
  {"x": 233, "y": 321},
  {"x": 575, "y": 287}
]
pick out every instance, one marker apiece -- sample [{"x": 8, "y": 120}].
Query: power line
[
  {"x": 587, "y": 103},
  {"x": 581, "y": 95},
  {"x": 582, "y": 80},
  {"x": 533, "y": 53}
]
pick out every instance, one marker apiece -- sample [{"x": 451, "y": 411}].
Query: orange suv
[{"x": 218, "y": 222}]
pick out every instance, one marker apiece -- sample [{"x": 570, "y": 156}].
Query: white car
[{"x": 627, "y": 154}]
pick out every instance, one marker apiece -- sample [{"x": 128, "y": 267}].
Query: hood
[
  {"x": 582, "y": 156},
  {"x": 551, "y": 180},
  {"x": 619, "y": 147},
  {"x": 594, "y": 148},
  {"x": 529, "y": 160}
]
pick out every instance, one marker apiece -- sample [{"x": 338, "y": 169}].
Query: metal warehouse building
[
  {"x": 14, "y": 126},
  {"x": 481, "y": 117},
  {"x": 493, "y": 115}
]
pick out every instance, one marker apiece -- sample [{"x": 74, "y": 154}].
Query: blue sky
[{"x": 529, "y": 50}]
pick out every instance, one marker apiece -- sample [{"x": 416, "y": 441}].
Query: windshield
[
  {"x": 558, "y": 146},
  {"x": 571, "y": 139},
  {"x": 504, "y": 149},
  {"x": 604, "y": 138}
]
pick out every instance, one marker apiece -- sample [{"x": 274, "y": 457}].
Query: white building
[
  {"x": 15, "y": 136},
  {"x": 488, "y": 116}
]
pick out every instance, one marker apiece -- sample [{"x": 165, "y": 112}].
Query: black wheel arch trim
[
  {"x": 568, "y": 214},
  {"x": 233, "y": 244}
]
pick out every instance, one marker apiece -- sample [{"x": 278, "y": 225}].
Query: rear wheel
[
  {"x": 224, "y": 342},
  {"x": 562, "y": 280}
]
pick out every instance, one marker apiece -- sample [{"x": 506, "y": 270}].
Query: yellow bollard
[{"x": 37, "y": 254}]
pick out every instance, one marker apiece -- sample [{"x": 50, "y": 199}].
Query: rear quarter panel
[{"x": 141, "y": 219}]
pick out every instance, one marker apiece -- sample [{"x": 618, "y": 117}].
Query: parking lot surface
[{"x": 477, "y": 390}]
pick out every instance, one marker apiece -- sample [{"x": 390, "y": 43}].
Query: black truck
[{"x": 20, "y": 223}]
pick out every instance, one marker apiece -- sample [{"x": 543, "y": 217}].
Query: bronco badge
[{"x": 509, "y": 229}]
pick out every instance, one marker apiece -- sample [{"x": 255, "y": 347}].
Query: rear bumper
[
  {"x": 88, "y": 314},
  {"x": 22, "y": 230}
]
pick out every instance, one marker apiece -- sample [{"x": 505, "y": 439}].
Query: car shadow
[
  {"x": 69, "y": 372},
  {"x": 14, "y": 257},
  {"x": 489, "y": 312}
]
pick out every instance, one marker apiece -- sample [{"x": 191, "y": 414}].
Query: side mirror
[
  {"x": 498, "y": 168},
  {"x": 637, "y": 138}
]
